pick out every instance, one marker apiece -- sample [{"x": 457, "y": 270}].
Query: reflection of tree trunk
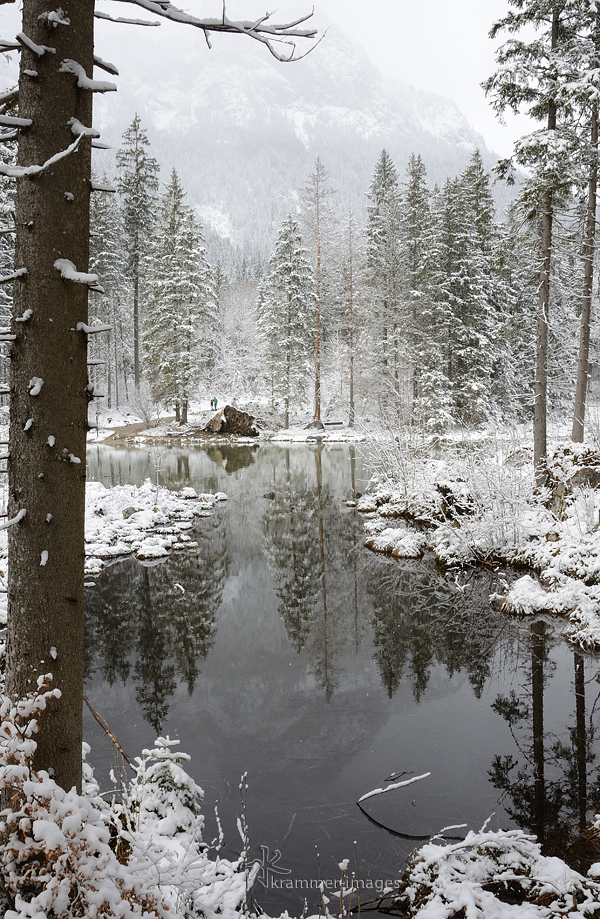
[
  {"x": 328, "y": 690},
  {"x": 353, "y": 470},
  {"x": 538, "y": 642},
  {"x": 580, "y": 739}
]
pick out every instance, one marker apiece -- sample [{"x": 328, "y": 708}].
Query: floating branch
[
  {"x": 19, "y": 172},
  {"x": 92, "y": 329},
  {"x": 128, "y": 22},
  {"x": 11, "y": 121},
  {"x": 105, "y": 65},
  {"x": 40, "y": 50},
  {"x": 83, "y": 81},
  {"x": 16, "y": 519},
  {"x": 9, "y": 278},
  {"x": 382, "y": 791},
  {"x": 69, "y": 272}
]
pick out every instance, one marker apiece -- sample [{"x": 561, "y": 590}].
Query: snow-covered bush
[{"x": 65, "y": 854}]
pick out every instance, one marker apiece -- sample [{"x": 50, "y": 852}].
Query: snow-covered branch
[
  {"x": 83, "y": 81},
  {"x": 12, "y": 121},
  {"x": 16, "y": 519},
  {"x": 78, "y": 128},
  {"x": 92, "y": 329},
  {"x": 9, "y": 278},
  {"x": 68, "y": 272},
  {"x": 121, "y": 21},
  {"x": 40, "y": 50},
  {"x": 6, "y": 46},
  {"x": 19, "y": 172},
  {"x": 382, "y": 791},
  {"x": 105, "y": 65},
  {"x": 259, "y": 29},
  {"x": 101, "y": 186}
]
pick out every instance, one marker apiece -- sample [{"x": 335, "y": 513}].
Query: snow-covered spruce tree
[
  {"x": 415, "y": 227},
  {"x": 138, "y": 187},
  {"x": 286, "y": 305},
  {"x": 317, "y": 221},
  {"x": 49, "y": 395},
  {"x": 350, "y": 303},
  {"x": 181, "y": 306},
  {"x": 531, "y": 77},
  {"x": 108, "y": 261},
  {"x": 383, "y": 271}
]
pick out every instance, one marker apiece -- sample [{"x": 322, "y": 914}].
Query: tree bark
[
  {"x": 136, "y": 331},
  {"x": 540, "y": 461},
  {"x": 47, "y": 470},
  {"x": 583, "y": 366}
]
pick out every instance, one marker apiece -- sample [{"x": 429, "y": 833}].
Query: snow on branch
[
  {"x": 382, "y": 791},
  {"x": 68, "y": 272},
  {"x": 9, "y": 278},
  {"x": 40, "y": 50},
  {"x": 19, "y": 172},
  {"x": 16, "y": 519},
  {"x": 260, "y": 29},
  {"x": 11, "y": 135},
  {"x": 9, "y": 99},
  {"x": 83, "y": 81},
  {"x": 55, "y": 18},
  {"x": 6, "y": 46},
  {"x": 98, "y": 145},
  {"x": 92, "y": 329},
  {"x": 127, "y": 22},
  {"x": 78, "y": 128},
  {"x": 11, "y": 121},
  {"x": 99, "y": 186},
  {"x": 105, "y": 65}
]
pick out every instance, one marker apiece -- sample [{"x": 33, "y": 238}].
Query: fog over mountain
[{"x": 243, "y": 130}]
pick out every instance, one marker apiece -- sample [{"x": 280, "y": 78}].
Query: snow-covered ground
[{"x": 472, "y": 501}]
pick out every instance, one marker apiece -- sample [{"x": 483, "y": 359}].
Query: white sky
[{"x": 438, "y": 45}]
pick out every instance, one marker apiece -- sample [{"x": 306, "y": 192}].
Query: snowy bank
[
  {"x": 481, "y": 505},
  {"x": 337, "y": 435}
]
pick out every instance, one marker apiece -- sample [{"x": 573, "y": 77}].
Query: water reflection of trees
[
  {"x": 551, "y": 781},
  {"x": 140, "y": 623},
  {"x": 310, "y": 547},
  {"x": 420, "y": 620}
]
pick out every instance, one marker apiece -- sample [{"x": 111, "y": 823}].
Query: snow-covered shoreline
[{"x": 485, "y": 508}]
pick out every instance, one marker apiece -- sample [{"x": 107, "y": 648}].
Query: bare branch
[
  {"x": 9, "y": 278},
  {"x": 260, "y": 30},
  {"x": 105, "y": 65},
  {"x": 9, "y": 99}
]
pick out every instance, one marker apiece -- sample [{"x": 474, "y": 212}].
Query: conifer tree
[
  {"x": 383, "y": 269},
  {"x": 138, "y": 186},
  {"x": 317, "y": 224},
  {"x": 181, "y": 302},
  {"x": 286, "y": 306}
]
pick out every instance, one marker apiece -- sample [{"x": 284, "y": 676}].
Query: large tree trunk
[
  {"x": 588, "y": 283},
  {"x": 47, "y": 466},
  {"x": 136, "y": 330}
]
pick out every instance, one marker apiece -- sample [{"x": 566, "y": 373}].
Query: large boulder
[{"x": 231, "y": 421}]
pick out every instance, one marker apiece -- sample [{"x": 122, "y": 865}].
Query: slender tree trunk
[
  {"x": 177, "y": 412},
  {"x": 184, "y": 411},
  {"x": 583, "y": 366},
  {"x": 47, "y": 470},
  {"x": 109, "y": 372},
  {"x": 136, "y": 330},
  {"x": 318, "y": 320},
  {"x": 540, "y": 451}
]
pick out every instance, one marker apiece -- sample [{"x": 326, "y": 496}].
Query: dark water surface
[{"x": 320, "y": 669}]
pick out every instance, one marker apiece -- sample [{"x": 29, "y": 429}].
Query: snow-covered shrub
[
  {"x": 495, "y": 875},
  {"x": 65, "y": 854}
]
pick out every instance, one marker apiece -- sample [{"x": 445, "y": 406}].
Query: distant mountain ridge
[{"x": 243, "y": 130}]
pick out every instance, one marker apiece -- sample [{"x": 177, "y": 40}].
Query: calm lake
[{"x": 282, "y": 648}]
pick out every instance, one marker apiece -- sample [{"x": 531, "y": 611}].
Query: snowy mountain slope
[{"x": 243, "y": 130}]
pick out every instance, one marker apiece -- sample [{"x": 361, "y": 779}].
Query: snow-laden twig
[
  {"x": 19, "y": 172},
  {"x": 9, "y": 278},
  {"x": 92, "y": 329},
  {"x": 78, "y": 128},
  {"x": 129, "y": 22},
  {"x": 105, "y": 65},
  {"x": 261, "y": 29},
  {"x": 83, "y": 81},
  {"x": 12, "y": 121},
  {"x": 69, "y": 272},
  {"x": 16, "y": 519},
  {"x": 382, "y": 791},
  {"x": 27, "y": 42}
]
